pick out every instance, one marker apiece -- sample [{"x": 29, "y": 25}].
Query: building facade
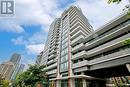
[
  {"x": 51, "y": 50},
  {"x": 104, "y": 52},
  {"x": 39, "y": 57},
  {"x": 74, "y": 28},
  {"x": 6, "y": 70},
  {"x": 21, "y": 69},
  {"x": 15, "y": 59},
  {"x": 82, "y": 54},
  {"x": 11, "y": 68},
  {"x": 65, "y": 34}
]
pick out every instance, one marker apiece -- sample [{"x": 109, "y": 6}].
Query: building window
[{"x": 64, "y": 66}]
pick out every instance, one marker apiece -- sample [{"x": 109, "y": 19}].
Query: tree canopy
[
  {"x": 114, "y": 1},
  {"x": 31, "y": 76}
]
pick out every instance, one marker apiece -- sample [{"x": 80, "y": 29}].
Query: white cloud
[
  {"x": 35, "y": 49},
  {"x": 34, "y": 44},
  {"x": 38, "y": 37},
  {"x": 29, "y": 12},
  {"x": 10, "y": 26},
  {"x": 33, "y": 12},
  {"x": 19, "y": 40},
  {"x": 99, "y": 11},
  {"x": 43, "y": 12}
]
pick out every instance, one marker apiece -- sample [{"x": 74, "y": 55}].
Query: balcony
[
  {"x": 51, "y": 66},
  {"x": 74, "y": 26},
  {"x": 53, "y": 47},
  {"x": 78, "y": 33},
  {"x": 52, "y": 51},
  {"x": 78, "y": 26},
  {"x": 52, "y": 56},
  {"x": 80, "y": 64},
  {"x": 75, "y": 30},
  {"x": 55, "y": 40},
  {"x": 79, "y": 39},
  {"x": 108, "y": 46},
  {"x": 78, "y": 55},
  {"x": 51, "y": 61},
  {"x": 104, "y": 38},
  {"x": 51, "y": 72},
  {"x": 78, "y": 47},
  {"x": 74, "y": 19},
  {"x": 71, "y": 9},
  {"x": 73, "y": 15},
  {"x": 112, "y": 56},
  {"x": 53, "y": 44}
]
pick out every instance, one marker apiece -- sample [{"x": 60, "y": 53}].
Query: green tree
[
  {"x": 5, "y": 83},
  {"x": 20, "y": 79},
  {"x": 126, "y": 41},
  {"x": 114, "y": 1},
  {"x": 35, "y": 74},
  {"x": 0, "y": 79}
]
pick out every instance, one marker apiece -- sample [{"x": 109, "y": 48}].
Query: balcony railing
[
  {"x": 52, "y": 51},
  {"x": 80, "y": 64},
  {"x": 112, "y": 56},
  {"x": 75, "y": 30},
  {"x": 111, "y": 31},
  {"x": 77, "y": 34},
  {"x": 78, "y": 55},
  {"x": 108, "y": 37},
  {"x": 52, "y": 56},
  {"x": 79, "y": 39},
  {"x": 51, "y": 66},
  {"x": 78, "y": 47},
  {"x": 104, "y": 46},
  {"x": 51, "y": 61},
  {"x": 51, "y": 72}
]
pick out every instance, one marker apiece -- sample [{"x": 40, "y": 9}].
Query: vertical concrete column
[
  {"x": 58, "y": 83},
  {"x": 84, "y": 82},
  {"x": 128, "y": 67},
  {"x": 72, "y": 83}
]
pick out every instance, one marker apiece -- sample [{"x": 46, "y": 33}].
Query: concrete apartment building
[
  {"x": 74, "y": 28},
  {"x": 64, "y": 33},
  {"x": 104, "y": 52},
  {"x": 39, "y": 57},
  {"x": 11, "y": 68},
  {"x": 15, "y": 59},
  {"x": 74, "y": 52},
  {"x": 21, "y": 68},
  {"x": 104, "y": 48},
  {"x": 6, "y": 70},
  {"x": 51, "y": 49}
]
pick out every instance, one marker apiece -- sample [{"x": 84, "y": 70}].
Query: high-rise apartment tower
[{"x": 65, "y": 36}]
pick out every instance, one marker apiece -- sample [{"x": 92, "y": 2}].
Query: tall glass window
[{"x": 64, "y": 46}]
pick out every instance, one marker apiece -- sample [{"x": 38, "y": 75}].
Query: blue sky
[{"x": 26, "y": 32}]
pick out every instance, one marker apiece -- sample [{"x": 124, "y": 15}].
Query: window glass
[{"x": 64, "y": 66}]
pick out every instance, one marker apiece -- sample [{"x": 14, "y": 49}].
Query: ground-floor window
[
  {"x": 78, "y": 83},
  {"x": 64, "y": 83}
]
